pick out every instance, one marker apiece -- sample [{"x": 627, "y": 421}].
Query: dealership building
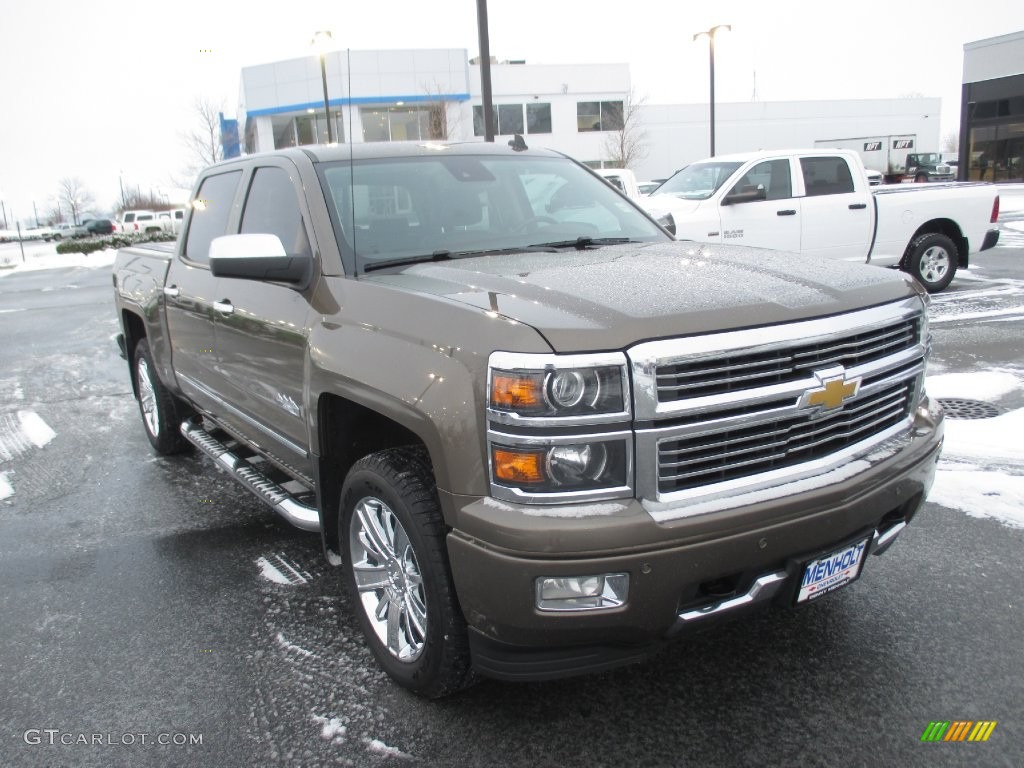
[
  {"x": 992, "y": 110},
  {"x": 579, "y": 109}
]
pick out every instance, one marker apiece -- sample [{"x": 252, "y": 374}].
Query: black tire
[
  {"x": 407, "y": 592},
  {"x": 161, "y": 412},
  {"x": 932, "y": 260},
  {"x": 921, "y": 178}
]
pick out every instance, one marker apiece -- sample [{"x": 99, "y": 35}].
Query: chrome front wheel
[
  {"x": 397, "y": 571},
  {"x": 388, "y": 579}
]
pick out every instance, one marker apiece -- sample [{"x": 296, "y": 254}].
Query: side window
[
  {"x": 826, "y": 176},
  {"x": 272, "y": 208},
  {"x": 211, "y": 210}
]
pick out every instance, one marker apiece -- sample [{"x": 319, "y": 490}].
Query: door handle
[
  {"x": 787, "y": 212},
  {"x": 172, "y": 291},
  {"x": 224, "y": 307},
  {"x": 857, "y": 206}
]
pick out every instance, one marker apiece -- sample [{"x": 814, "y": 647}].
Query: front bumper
[{"x": 683, "y": 573}]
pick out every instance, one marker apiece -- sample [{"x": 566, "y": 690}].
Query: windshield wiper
[
  {"x": 584, "y": 242},
  {"x": 449, "y": 255}
]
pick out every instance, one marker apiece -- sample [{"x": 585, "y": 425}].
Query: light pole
[
  {"x": 711, "y": 49},
  {"x": 320, "y": 41}
]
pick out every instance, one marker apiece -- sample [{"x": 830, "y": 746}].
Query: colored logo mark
[{"x": 958, "y": 730}]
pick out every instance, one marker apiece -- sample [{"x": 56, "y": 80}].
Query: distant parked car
[
  {"x": 874, "y": 177},
  {"x": 68, "y": 231},
  {"x": 101, "y": 227}
]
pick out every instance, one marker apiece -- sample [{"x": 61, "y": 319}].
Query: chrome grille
[
  {"x": 744, "y": 370},
  {"x": 738, "y": 452},
  {"x": 738, "y": 411}
]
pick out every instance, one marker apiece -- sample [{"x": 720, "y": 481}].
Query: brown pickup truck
[{"x": 539, "y": 436}]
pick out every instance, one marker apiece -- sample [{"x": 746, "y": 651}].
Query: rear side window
[
  {"x": 211, "y": 210},
  {"x": 272, "y": 207},
  {"x": 826, "y": 176}
]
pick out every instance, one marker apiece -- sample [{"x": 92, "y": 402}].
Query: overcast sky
[{"x": 99, "y": 89}]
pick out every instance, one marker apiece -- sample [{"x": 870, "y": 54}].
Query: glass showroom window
[
  {"x": 599, "y": 116},
  {"x": 284, "y": 131},
  {"x": 395, "y": 123}
]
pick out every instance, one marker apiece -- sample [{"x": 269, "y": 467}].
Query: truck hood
[
  {"x": 658, "y": 205},
  {"x": 615, "y": 296}
]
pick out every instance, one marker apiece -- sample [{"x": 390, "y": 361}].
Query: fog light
[{"x": 582, "y": 593}]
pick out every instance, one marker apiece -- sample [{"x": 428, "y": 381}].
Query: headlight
[
  {"x": 561, "y": 468},
  {"x": 538, "y": 406},
  {"x": 586, "y": 389}
]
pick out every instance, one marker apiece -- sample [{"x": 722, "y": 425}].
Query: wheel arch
[
  {"x": 946, "y": 227},
  {"x": 134, "y": 330},
  {"x": 348, "y": 430}
]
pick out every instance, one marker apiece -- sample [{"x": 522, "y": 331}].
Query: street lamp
[
  {"x": 711, "y": 48},
  {"x": 321, "y": 40}
]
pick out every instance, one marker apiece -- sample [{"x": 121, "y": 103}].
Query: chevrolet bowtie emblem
[{"x": 834, "y": 391}]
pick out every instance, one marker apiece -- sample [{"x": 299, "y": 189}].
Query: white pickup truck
[{"x": 819, "y": 202}]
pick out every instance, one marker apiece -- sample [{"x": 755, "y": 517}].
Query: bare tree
[
  {"x": 951, "y": 142},
  {"x": 439, "y": 120},
  {"x": 627, "y": 144},
  {"x": 76, "y": 198},
  {"x": 203, "y": 141}
]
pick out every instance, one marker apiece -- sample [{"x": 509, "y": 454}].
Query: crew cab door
[
  {"x": 835, "y": 216},
  {"x": 261, "y": 325},
  {"x": 191, "y": 290},
  {"x": 759, "y": 208}
]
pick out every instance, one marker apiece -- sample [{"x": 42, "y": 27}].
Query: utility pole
[
  {"x": 485, "y": 69},
  {"x": 4, "y": 209},
  {"x": 35, "y": 213}
]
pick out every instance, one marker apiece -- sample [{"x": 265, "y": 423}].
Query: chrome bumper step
[{"x": 284, "y": 503}]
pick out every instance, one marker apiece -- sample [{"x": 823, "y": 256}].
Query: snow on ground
[
  {"x": 45, "y": 256},
  {"x": 21, "y": 431},
  {"x": 6, "y": 489},
  {"x": 1011, "y": 198},
  {"x": 982, "y": 467}
]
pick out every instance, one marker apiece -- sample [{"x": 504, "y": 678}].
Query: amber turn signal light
[
  {"x": 518, "y": 467},
  {"x": 512, "y": 392}
]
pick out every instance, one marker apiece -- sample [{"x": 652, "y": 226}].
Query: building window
[
  {"x": 510, "y": 119},
  {"x": 599, "y": 116},
  {"x": 295, "y": 131},
  {"x": 396, "y": 123},
  {"x": 538, "y": 118}
]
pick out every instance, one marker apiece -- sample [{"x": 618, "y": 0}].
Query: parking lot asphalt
[{"x": 148, "y": 600}]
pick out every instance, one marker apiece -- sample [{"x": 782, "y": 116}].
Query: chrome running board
[{"x": 285, "y": 504}]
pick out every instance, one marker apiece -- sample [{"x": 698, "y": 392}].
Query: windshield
[
  {"x": 402, "y": 209},
  {"x": 698, "y": 181},
  {"x": 928, "y": 158}
]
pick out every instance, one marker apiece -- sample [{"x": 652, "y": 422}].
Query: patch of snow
[
  {"x": 277, "y": 569},
  {"x": 269, "y": 572},
  {"x": 331, "y": 729},
  {"x": 35, "y": 429},
  {"x": 979, "y": 492},
  {"x": 987, "y": 441},
  {"x": 979, "y": 315},
  {"x": 1017, "y": 225},
  {"x": 574, "y": 510},
  {"x": 985, "y": 385},
  {"x": 283, "y": 643},
  {"x": 6, "y": 489},
  {"x": 378, "y": 747},
  {"x": 48, "y": 258}
]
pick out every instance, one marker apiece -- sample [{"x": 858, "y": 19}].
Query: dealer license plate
[{"x": 829, "y": 573}]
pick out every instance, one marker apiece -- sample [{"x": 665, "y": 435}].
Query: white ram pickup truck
[{"x": 819, "y": 202}]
